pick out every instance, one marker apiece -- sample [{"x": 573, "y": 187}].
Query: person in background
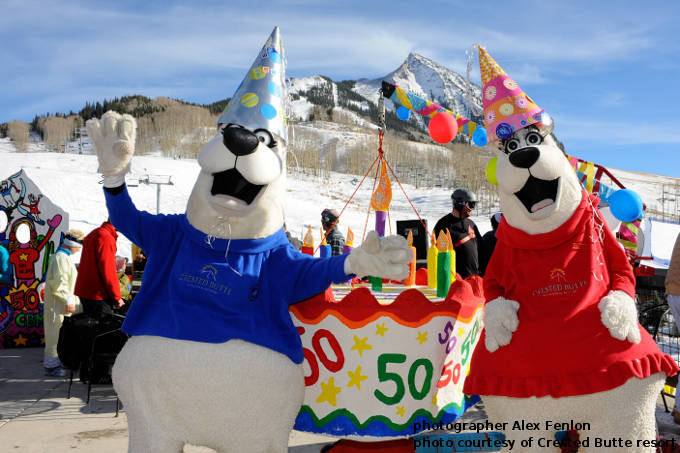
[
  {"x": 488, "y": 243},
  {"x": 97, "y": 283},
  {"x": 464, "y": 233},
  {"x": 292, "y": 239},
  {"x": 123, "y": 279},
  {"x": 672, "y": 284},
  {"x": 59, "y": 298},
  {"x": 334, "y": 238}
]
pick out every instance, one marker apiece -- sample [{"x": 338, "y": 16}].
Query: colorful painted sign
[
  {"x": 380, "y": 364},
  {"x": 31, "y": 227}
]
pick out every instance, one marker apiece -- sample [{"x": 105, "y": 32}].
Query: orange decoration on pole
[{"x": 382, "y": 196}]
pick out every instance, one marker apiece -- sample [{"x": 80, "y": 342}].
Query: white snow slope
[{"x": 71, "y": 181}]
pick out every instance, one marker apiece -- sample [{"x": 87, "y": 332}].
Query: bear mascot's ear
[{"x": 538, "y": 188}]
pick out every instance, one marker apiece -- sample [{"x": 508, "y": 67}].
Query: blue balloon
[
  {"x": 479, "y": 137},
  {"x": 626, "y": 205},
  {"x": 403, "y": 113}
]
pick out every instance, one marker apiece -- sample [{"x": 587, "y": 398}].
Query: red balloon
[{"x": 443, "y": 127}]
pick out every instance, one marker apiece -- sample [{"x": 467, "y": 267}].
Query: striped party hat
[
  {"x": 506, "y": 107},
  {"x": 260, "y": 99}
]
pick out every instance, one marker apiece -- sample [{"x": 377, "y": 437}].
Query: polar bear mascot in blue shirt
[{"x": 214, "y": 358}]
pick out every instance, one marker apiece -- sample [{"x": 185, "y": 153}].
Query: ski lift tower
[{"x": 158, "y": 180}]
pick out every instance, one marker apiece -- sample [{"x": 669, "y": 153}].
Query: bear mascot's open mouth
[
  {"x": 232, "y": 183},
  {"x": 537, "y": 194}
]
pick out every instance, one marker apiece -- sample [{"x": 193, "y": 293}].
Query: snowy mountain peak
[{"x": 427, "y": 78}]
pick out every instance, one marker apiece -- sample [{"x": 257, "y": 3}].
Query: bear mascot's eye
[
  {"x": 265, "y": 137},
  {"x": 511, "y": 145},
  {"x": 534, "y": 138}
]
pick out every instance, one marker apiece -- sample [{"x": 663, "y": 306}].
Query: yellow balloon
[{"x": 491, "y": 171}]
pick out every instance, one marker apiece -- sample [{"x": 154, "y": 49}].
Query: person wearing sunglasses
[
  {"x": 464, "y": 233},
  {"x": 334, "y": 238}
]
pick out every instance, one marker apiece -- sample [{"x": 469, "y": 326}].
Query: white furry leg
[
  {"x": 147, "y": 432},
  {"x": 625, "y": 413},
  {"x": 232, "y": 397}
]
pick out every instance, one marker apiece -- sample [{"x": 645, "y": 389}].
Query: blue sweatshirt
[{"x": 189, "y": 291}]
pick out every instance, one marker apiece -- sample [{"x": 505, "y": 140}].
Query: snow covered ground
[{"x": 72, "y": 182}]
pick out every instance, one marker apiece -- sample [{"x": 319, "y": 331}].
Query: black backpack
[{"x": 73, "y": 343}]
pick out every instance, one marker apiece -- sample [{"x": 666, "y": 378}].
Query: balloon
[
  {"x": 403, "y": 113},
  {"x": 479, "y": 137},
  {"x": 443, "y": 127},
  {"x": 491, "y": 170},
  {"x": 626, "y": 205}
]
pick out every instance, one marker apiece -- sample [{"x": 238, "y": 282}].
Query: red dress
[{"x": 561, "y": 348}]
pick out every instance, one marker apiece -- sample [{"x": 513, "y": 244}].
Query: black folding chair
[{"x": 105, "y": 349}]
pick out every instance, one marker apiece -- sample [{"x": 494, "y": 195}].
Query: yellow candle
[{"x": 432, "y": 264}]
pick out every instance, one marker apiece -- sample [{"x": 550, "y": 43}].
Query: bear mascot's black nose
[
  {"x": 240, "y": 141},
  {"x": 525, "y": 157}
]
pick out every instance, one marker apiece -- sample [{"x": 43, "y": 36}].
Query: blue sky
[{"x": 606, "y": 71}]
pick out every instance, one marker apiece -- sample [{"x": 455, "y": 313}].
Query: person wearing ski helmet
[{"x": 464, "y": 233}]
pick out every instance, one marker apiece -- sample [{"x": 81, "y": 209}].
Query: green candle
[
  {"x": 376, "y": 283},
  {"x": 443, "y": 273}
]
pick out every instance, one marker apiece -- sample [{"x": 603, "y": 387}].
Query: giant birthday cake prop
[{"x": 379, "y": 364}]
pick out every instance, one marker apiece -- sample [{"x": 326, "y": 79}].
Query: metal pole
[{"x": 158, "y": 198}]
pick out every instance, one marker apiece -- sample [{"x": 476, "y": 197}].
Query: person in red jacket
[{"x": 97, "y": 284}]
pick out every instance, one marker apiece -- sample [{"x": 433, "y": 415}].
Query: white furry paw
[
  {"x": 500, "y": 321},
  {"x": 385, "y": 257},
  {"x": 114, "y": 142},
  {"x": 619, "y": 315}
]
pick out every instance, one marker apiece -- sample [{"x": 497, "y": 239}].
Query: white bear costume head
[
  {"x": 538, "y": 188},
  {"x": 240, "y": 190}
]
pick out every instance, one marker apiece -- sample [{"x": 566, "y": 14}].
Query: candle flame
[
  {"x": 308, "y": 241},
  {"x": 409, "y": 238},
  {"x": 382, "y": 196},
  {"x": 442, "y": 242},
  {"x": 448, "y": 239},
  {"x": 350, "y": 238}
]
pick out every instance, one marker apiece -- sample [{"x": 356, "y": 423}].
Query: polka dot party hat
[
  {"x": 260, "y": 99},
  {"x": 506, "y": 107}
]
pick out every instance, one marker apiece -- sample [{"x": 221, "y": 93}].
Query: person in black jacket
[
  {"x": 464, "y": 232},
  {"x": 488, "y": 243}
]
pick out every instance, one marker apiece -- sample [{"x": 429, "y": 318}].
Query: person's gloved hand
[
  {"x": 619, "y": 315},
  {"x": 385, "y": 257},
  {"x": 114, "y": 142}
]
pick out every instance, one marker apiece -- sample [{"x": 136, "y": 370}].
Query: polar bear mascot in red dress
[{"x": 562, "y": 348}]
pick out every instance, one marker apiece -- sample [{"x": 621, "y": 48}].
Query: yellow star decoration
[
  {"x": 328, "y": 392},
  {"x": 23, "y": 257},
  {"x": 434, "y": 399},
  {"x": 20, "y": 340},
  {"x": 461, "y": 332},
  {"x": 380, "y": 329},
  {"x": 422, "y": 337},
  {"x": 360, "y": 345},
  {"x": 42, "y": 340},
  {"x": 356, "y": 377},
  {"x": 401, "y": 411}
]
